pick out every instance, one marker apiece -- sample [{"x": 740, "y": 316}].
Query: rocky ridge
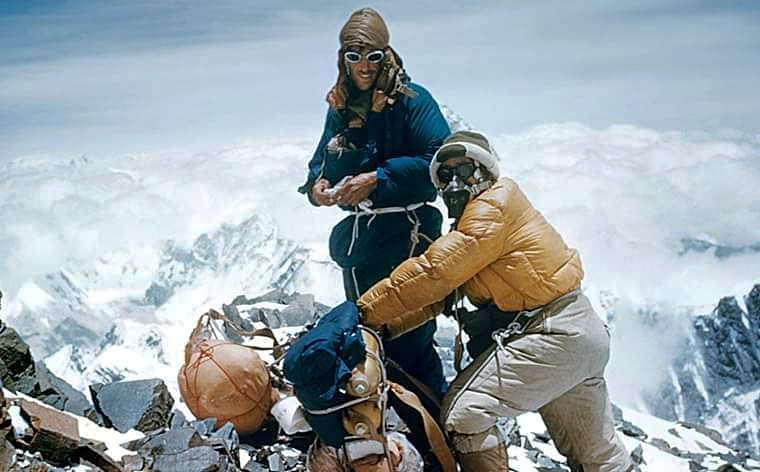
[{"x": 715, "y": 381}]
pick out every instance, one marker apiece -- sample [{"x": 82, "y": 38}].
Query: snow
[
  {"x": 33, "y": 297},
  {"x": 681, "y": 438},
  {"x": 686, "y": 439},
  {"x": 87, "y": 429}
]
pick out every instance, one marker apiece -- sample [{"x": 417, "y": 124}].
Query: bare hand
[
  {"x": 319, "y": 194},
  {"x": 357, "y": 189}
]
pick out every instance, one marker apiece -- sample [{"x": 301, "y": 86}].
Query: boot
[{"x": 487, "y": 460}]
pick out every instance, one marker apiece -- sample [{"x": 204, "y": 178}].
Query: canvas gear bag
[{"x": 226, "y": 380}]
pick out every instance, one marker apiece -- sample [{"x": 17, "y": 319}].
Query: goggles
[
  {"x": 464, "y": 170},
  {"x": 373, "y": 57}
]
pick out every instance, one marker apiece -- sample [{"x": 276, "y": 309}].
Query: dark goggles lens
[
  {"x": 463, "y": 170},
  {"x": 373, "y": 57}
]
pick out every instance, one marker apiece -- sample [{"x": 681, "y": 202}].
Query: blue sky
[{"x": 94, "y": 77}]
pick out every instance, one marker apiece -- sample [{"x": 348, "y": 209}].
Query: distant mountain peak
[{"x": 716, "y": 379}]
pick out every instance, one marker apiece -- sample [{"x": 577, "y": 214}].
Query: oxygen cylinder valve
[{"x": 358, "y": 385}]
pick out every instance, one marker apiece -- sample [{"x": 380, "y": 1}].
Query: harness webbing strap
[
  {"x": 264, "y": 332},
  {"x": 433, "y": 432},
  {"x": 366, "y": 210}
]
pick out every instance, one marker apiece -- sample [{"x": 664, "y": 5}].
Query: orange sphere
[{"x": 229, "y": 382}]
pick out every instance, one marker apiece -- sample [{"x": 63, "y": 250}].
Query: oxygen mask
[{"x": 456, "y": 194}]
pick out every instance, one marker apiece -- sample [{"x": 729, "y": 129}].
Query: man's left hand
[{"x": 357, "y": 189}]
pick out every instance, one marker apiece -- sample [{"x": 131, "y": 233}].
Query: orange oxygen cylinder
[
  {"x": 366, "y": 376},
  {"x": 365, "y": 419}
]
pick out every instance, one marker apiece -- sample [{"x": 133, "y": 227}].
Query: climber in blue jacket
[{"x": 372, "y": 161}]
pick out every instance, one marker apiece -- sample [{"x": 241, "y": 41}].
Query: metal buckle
[{"x": 517, "y": 326}]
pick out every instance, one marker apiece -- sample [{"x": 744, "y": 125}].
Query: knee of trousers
[
  {"x": 463, "y": 414},
  {"x": 469, "y": 443},
  {"x": 472, "y": 412}
]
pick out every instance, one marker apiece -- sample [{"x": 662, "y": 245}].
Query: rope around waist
[
  {"x": 411, "y": 216},
  {"x": 369, "y": 211},
  {"x": 374, "y": 212}
]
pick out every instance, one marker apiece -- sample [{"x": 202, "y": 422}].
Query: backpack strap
[{"x": 435, "y": 437}]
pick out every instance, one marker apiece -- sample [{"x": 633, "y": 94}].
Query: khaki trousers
[{"x": 557, "y": 369}]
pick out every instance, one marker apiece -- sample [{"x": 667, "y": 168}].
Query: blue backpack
[{"x": 320, "y": 362}]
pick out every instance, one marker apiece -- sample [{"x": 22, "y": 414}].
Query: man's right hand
[{"x": 319, "y": 194}]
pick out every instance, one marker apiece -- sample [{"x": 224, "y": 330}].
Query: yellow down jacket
[{"x": 502, "y": 251}]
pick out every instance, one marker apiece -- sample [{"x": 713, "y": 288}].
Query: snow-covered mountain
[
  {"x": 715, "y": 381},
  {"x": 235, "y": 258},
  {"x": 143, "y": 322}
]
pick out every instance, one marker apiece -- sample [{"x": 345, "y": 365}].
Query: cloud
[{"x": 627, "y": 196}]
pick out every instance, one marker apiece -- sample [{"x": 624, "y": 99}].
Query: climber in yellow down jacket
[{"x": 538, "y": 345}]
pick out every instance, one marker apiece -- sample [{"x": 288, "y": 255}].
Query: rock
[
  {"x": 717, "y": 371},
  {"x": 695, "y": 467},
  {"x": 734, "y": 355},
  {"x": 275, "y": 462},
  {"x": 133, "y": 463},
  {"x": 752, "y": 301},
  {"x": 98, "y": 458},
  {"x": 144, "y": 405},
  {"x": 300, "y": 310},
  {"x": 629, "y": 429},
  {"x": 38, "y": 382},
  {"x": 7, "y": 454},
  {"x": 177, "y": 419},
  {"x": 276, "y": 295},
  {"x": 5, "y": 376},
  {"x": 173, "y": 441},
  {"x": 232, "y": 312},
  {"x": 15, "y": 354},
  {"x": 99, "y": 446},
  {"x": 205, "y": 426},
  {"x": 19, "y": 371},
  {"x": 157, "y": 295},
  {"x": 637, "y": 455},
  {"x": 253, "y": 466},
  {"x": 709, "y": 432},
  {"x": 617, "y": 414},
  {"x": 55, "y": 434},
  {"x": 268, "y": 316},
  {"x": 662, "y": 445},
  {"x": 197, "y": 459},
  {"x": 229, "y": 438},
  {"x": 727, "y": 468}
]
